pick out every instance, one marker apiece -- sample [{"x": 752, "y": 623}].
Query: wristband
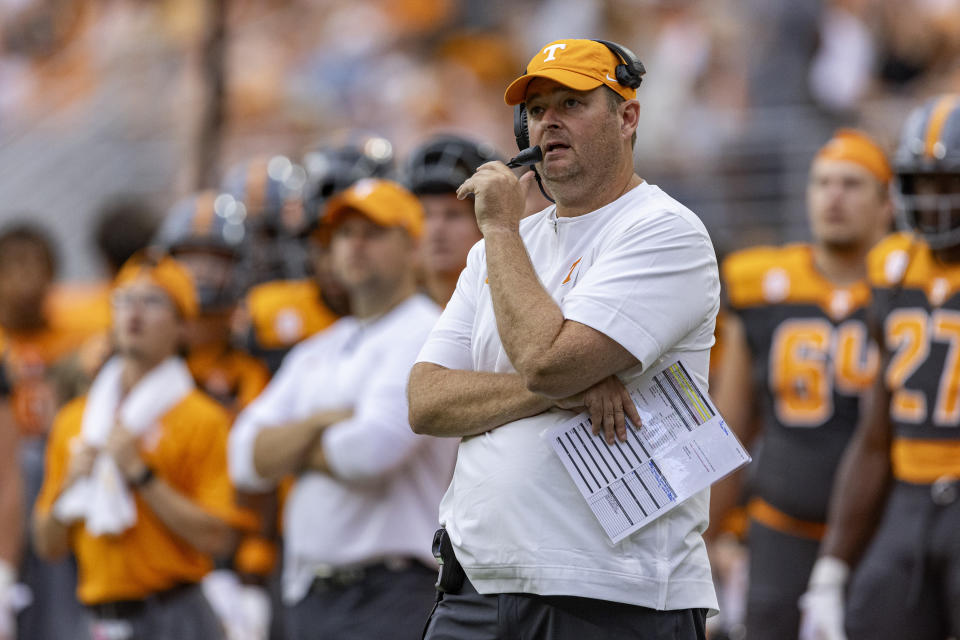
[
  {"x": 143, "y": 479},
  {"x": 8, "y": 575},
  {"x": 829, "y": 571}
]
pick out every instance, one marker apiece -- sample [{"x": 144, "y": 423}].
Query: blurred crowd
[
  {"x": 220, "y": 131},
  {"x": 735, "y": 95}
]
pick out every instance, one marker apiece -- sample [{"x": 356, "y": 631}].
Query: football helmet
[
  {"x": 331, "y": 168},
  {"x": 207, "y": 232},
  {"x": 443, "y": 163},
  {"x": 270, "y": 190},
  {"x": 926, "y": 186}
]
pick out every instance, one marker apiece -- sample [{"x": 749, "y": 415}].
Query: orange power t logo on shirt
[{"x": 572, "y": 267}]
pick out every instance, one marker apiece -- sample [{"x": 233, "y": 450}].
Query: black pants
[
  {"x": 520, "y": 616},
  {"x": 384, "y": 603},
  {"x": 182, "y": 613}
]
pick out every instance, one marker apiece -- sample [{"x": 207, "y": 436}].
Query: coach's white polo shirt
[
  {"x": 382, "y": 498},
  {"x": 642, "y": 270}
]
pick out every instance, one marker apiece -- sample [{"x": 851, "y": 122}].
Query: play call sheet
[{"x": 683, "y": 447}]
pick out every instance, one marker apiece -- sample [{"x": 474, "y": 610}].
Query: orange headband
[
  {"x": 850, "y": 145},
  {"x": 166, "y": 273}
]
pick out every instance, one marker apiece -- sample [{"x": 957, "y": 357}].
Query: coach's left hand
[{"x": 609, "y": 404}]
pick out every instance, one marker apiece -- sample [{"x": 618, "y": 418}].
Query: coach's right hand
[{"x": 609, "y": 403}]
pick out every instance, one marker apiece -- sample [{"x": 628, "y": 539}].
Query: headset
[{"x": 629, "y": 74}]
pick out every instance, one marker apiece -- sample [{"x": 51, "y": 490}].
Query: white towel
[{"x": 102, "y": 499}]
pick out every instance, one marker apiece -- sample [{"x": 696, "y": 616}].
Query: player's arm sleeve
[
  {"x": 378, "y": 439},
  {"x": 272, "y": 408},
  {"x": 449, "y": 344},
  {"x": 651, "y": 287}
]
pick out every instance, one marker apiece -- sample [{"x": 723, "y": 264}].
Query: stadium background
[{"x": 158, "y": 98}]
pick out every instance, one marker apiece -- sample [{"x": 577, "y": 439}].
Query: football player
[
  {"x": 206, "y": 233},
  {"x": 282, "y": 305},
  {"x": 894, "y": 513},
  {"x": 291, "y": 306},
  {"x": 797, "y": 352},
  {"x": 434, "y": 172}
]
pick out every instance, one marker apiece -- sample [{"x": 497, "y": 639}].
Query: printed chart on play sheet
[{"x": 683, "y": 447}]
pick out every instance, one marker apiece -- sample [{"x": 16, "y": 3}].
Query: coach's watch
[{"x": 142, "y": 479}]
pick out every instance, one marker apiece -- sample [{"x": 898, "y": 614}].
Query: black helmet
[
  {"x": 929, "y": 151},
  {"x": 214, "y": 222},
  {"x": 442, "y": 164},
  {"x": 269, "y": 190},
  {"x": 267, "y": 186},
  {"x": 331, "y": 168},
  {"x": 201, "y": 221}
]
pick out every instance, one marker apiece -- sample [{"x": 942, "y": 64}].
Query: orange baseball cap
[
  {"x": 581, "y": 65},
  {"x": 851, "y": 145},
  {"x": 166, "y": 273},
  {"x": 385, "y": 202}
]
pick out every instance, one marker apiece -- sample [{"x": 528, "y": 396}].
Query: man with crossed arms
[{"x": 557, "y": 311}]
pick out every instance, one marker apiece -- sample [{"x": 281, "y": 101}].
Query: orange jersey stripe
[{"x": 924, "y": 461}]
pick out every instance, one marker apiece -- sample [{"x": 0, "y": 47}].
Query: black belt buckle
[
  {"x": 451, "y": 577},
  {"x": 337, "y": 579},
  {"x": 944, "y": 490}
]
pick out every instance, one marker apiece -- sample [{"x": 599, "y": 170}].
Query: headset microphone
[{"x": 527, "y": 157}]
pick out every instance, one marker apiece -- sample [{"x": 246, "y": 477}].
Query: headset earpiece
[
  {"x": 520, "y": 130},
  {"x": 631, "y": 72}
]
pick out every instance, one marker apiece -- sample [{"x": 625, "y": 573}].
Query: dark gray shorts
[
  {"x": 908, "y": 583},
  {"x": 515, "y": 616}
]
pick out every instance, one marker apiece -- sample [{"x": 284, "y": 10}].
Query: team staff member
[
  {"x": 281, "y": 306},
  {"x": 797, "y": 317},
  {"x": 897, "y": 484},
  {"x": 358, "y": 520},
  {"x": 614, "y": 281},
  {"x": 279, "y": 313},
  {"x": 138, "y": 572}
]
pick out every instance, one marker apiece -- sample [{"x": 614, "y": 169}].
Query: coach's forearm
[
  {"x": 284, "y": 450},
  {"x": 528, "y": 318},
  {"x": 556, "y": 358},
  {"x": 451, "y": 403}
]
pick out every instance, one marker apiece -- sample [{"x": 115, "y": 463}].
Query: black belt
[
  {"x": 119, "y": 609},
  {"x": 332, "y": 578}
]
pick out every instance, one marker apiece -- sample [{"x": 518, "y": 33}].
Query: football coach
[{"x": 557, "y": 312}]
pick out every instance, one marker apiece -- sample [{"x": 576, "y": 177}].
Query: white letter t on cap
[{"x": 551, "y": 51}]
